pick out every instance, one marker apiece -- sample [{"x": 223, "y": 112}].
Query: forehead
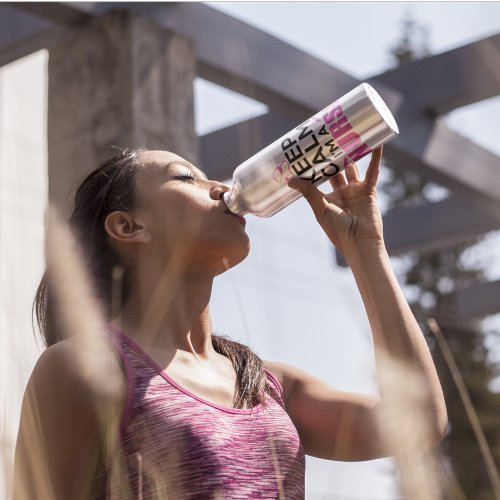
[
  {"x": 158, "y": 158},
  {"x": 156, "y": 162}
]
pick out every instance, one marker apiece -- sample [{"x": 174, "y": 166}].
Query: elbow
[
  {"x": 441, "y": 427},
  {"x": 437, "y": 426},
  {"x": 440, "y": 420}
]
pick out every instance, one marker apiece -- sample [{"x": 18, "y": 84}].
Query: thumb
[{"x": 311, "y": 193}]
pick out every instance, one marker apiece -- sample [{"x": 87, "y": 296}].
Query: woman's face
[{"x": 185, "y": 215}]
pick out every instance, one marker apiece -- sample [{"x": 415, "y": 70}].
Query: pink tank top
[{"x": 174, "y": 444}]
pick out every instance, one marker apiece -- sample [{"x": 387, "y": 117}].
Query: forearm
[{"x": 395, "y": 330}]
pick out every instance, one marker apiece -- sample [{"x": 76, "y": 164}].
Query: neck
[{"x": 169, "y": 311}]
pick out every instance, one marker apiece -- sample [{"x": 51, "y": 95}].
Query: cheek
[{"x": 182, "y": 221}]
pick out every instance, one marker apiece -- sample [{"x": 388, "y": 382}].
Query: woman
[{"x": 190, "y": 414}]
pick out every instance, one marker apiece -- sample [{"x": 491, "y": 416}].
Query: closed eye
[{"x": 185, "y": 177}]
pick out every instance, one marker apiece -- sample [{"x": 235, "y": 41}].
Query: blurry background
[{"x": 290, "y": 300}]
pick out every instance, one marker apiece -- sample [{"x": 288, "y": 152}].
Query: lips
[{"x": 239, "y": 217}]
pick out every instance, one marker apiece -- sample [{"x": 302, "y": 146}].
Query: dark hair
[{"x": 111, "y": 187}]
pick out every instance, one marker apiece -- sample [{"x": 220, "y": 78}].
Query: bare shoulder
[
  {"x": 296, "y": 382},
  {"x": 90, "y": 369},
  {"x": 287, "y": 375},
  {"x": 284, "y": 371},
  {"x": 74, "y": 398},
  {"x": 277, "y": 369}
]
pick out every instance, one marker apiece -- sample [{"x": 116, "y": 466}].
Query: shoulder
[
  {"x": 69, "y": 418},
  {"x": 298, "y": 383},
  {"x": 286, "y": 375},
  {"x": 77, "y": 369}
]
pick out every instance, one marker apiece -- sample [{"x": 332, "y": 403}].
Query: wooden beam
[
  {"x": 223, "y": 150},
  {"x": 477, "y": 301},
  {"x": 42, "y": 39},
  {"x": 15, "y": 24},
  {"x": 22, "y": 34},
  {"x": 61, "y": 13},
  {"x": 443, "y": 156},
  {"x": 434, "y": 226},
  {"x": 463, "y": 161},
  {"x": 446, "y": 81},
  {"x": 238, "y": 56}
]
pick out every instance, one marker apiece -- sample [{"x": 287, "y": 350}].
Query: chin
[{"x": 232, "y": 259}]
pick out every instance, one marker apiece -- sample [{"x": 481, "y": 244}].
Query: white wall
[{"x": 23, "y": 195}]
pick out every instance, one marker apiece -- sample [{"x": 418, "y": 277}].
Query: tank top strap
[
  {"x": 120, "y": 348},
  {"x": 276, "y": 388}
]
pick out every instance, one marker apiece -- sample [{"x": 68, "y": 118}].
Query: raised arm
[{"x": 334, "y": 424}]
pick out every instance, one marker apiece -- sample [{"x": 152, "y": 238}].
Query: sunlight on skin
[
  {"x": 404, "y": 423},
  {"x": 162, "y": 296},
  {"x": 38, "y": 466},
  {"x": 173, "y": 271}
]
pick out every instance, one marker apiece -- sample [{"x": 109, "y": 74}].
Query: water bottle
[{"x": 317, "y": 149}]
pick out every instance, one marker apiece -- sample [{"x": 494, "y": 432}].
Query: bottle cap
[{"x": 381, "y": 107}]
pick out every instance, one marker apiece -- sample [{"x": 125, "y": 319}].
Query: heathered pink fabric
[{"x": 177, "y": 445}]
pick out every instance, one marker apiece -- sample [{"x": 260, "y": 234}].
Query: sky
[{"x": 311, "y": 316}]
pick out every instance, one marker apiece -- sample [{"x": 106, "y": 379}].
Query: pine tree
[{"x": 430, "y": 279}]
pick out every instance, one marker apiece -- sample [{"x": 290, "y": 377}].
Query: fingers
[
  {"x": 311, "y": 193},
  {"x": 352, "y": 172},
  {"x": 350, "y": 175},
  {"x": 338, "y": 180},
  {"x": 374, "y": 167}
]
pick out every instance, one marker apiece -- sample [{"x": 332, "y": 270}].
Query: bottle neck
[{"x": 233, "y": 202}]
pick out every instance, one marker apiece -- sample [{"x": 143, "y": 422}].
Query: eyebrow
[{"x": 187, "y": 165}]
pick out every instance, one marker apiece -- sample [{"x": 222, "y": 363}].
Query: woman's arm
[
  {"x": 335, "y": 424},
  {"x": 332, "y": 424},
  {"x": 64, "y": 417}
]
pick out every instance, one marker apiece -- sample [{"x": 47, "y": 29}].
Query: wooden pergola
[{"x": 122, "y": 74}]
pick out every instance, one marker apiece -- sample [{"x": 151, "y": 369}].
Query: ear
[{"x": 122, "y": 226}]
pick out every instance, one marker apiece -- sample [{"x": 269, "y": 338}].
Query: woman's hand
[{"x": 349, "y": 215}]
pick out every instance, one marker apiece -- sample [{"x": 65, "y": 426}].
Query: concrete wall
[{"x": 121, "y": 81}]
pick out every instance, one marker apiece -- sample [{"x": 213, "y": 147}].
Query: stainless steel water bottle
[{"x": 319, "y": 148}]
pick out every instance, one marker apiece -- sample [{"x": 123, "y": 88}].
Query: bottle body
[{"x": 317, "y": 149}]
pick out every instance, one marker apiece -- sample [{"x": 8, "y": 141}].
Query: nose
[{"x": 218, "y": 189}]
